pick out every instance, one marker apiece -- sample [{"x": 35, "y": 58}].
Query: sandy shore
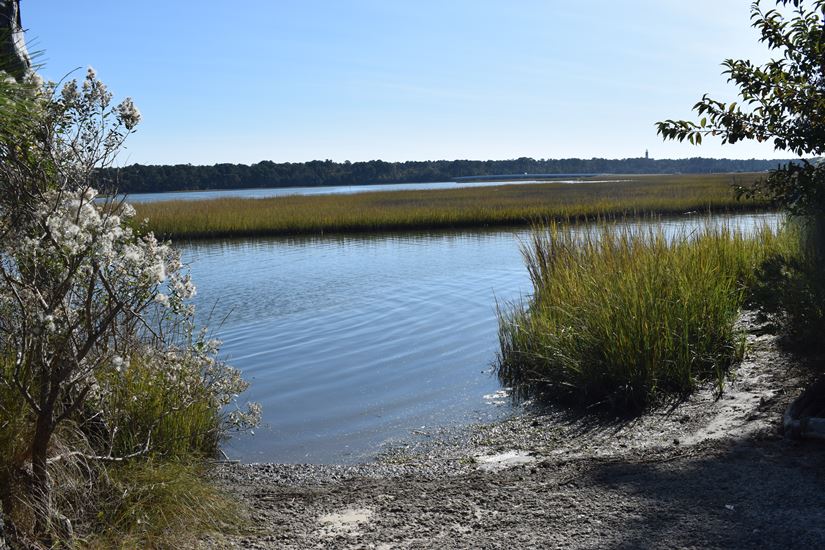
[{"x": 707, "y": 472}]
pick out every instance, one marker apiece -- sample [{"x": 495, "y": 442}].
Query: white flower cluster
[
  {"x": 87, "y": 130},
  {"x": 69, "y": 93},
  {"x": 31, "y": 79},
  {"x": 240, "y": 419},
  {"x": 78, "y": 230},
  {"x": 95, "y": 90},
  {"x": 99, "y": 258},
  {"x": 75, "y": 223},
  {"x": 6, "y": 78},
  {"x": 128, "y": 113}
]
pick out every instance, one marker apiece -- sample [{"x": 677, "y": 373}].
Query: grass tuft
[
  {"x": 791, "y": 288},
  {"x": 620, "y": 315},
  {"x": 160, "y": 504}
]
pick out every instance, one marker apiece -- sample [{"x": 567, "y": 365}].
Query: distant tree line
[{"x": 138, "y": 178}]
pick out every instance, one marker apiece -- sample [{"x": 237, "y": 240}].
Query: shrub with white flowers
[{"x": 86, "y": 297}]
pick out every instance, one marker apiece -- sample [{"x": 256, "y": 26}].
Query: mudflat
[{"x": 709, "y": 471}]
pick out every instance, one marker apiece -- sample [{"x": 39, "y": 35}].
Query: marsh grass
[
  {"x": 620, "y": 315},
  {"x": 446, "y": 208},
  {"x": 180, "y": 422}
]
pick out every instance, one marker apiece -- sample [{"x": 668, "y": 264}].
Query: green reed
[{"x": 619, "y": 315}]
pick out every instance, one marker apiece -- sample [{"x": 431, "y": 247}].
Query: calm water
[
  {"x": 331, "y": 190},
  {"x": 353, "y": 343}
]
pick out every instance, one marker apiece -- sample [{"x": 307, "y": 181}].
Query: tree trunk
[{"x": 14, "y": 59}]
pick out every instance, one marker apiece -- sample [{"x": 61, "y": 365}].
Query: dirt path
[{"x": 707, "y": 473}]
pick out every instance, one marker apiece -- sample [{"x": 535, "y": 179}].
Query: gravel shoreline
[{"x": 702, "y": 473}]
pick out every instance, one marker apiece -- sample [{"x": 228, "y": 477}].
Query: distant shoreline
[
  {"x": 501, "y": 178},
  {"x": 138, "y": 178}
]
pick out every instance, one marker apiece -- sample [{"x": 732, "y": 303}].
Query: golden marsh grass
[{"x": 448, "y": 208}]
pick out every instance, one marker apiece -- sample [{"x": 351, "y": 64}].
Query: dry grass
[{"x": 164, "y": 504}]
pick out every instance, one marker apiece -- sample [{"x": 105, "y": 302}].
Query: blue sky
[{"x": 296, "y": 80}]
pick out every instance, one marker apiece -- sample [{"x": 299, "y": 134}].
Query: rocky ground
[{"x": 707, "y": 472}]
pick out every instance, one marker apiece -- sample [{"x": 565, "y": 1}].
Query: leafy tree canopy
[{"x": 782, "y": 101}]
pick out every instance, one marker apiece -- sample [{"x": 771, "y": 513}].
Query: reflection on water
[
  {"x": 266, "y": 192},
  {"x": 353, "y": 341}
]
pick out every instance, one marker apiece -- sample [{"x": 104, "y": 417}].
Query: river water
[
  {"x": 266, "y": 192},
  {"x": 354, "y": 343}
]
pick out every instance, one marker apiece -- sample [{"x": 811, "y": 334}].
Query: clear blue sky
[{"x": 296, "y": 80}]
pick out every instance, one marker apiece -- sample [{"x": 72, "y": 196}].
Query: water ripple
[{"x": 353, "y": 341}]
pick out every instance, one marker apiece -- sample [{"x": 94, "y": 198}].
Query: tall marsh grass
[
  {"x": 621, "y": 315},
  {"x": 446, "y": 208}
]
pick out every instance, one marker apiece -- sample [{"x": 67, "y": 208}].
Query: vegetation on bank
[
  {"x": 104, "y": 493},
  {"x": 112, "y": 401},
  {"x": 620, "y": 315},
  {"x": 447, "y": 208},
  {"x": 791, "y": 288},
  {"x": 781, "y": 102}
]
